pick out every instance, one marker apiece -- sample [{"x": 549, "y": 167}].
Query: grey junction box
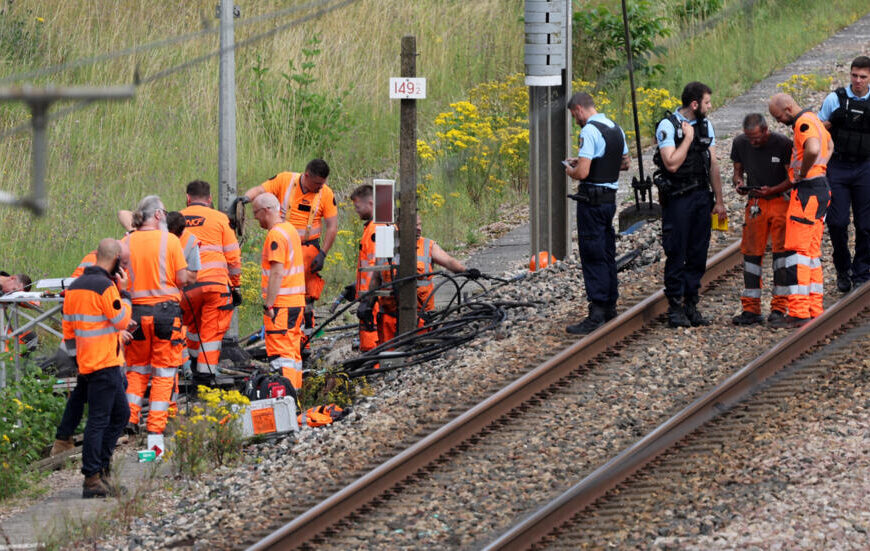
[{"x": 545, "y": 27}]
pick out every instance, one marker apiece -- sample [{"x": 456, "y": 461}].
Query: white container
[{"x": 270, "y": 416}]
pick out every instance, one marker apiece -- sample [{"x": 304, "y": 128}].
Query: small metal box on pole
[{"x": 383, "y": 217}]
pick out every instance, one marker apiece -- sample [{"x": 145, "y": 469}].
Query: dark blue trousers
[
  {"x": 597, "y": 242},
  {"x": 850, "y": 187},
  {"x": 685, "y": 239},
  {"x": 74, "y": 410},
  {"x": 108, "y": 413}
]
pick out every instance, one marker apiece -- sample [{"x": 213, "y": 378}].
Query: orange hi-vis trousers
[
  {"x": 805, "y": 223},
  {"x": 154, "y": 354},
  {"x": 314, "y": 284},
  {"x": 764, "y": 218},
  {"x": 368, "y": 331},
  {"x": 208, "y": 310},
  {"x": 283, "y": 342}
]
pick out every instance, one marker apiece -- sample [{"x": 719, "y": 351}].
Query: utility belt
[
  {"x": 312, "y": 242},
  {"x": 593, "y": 195},
  {"x": 164, "y": 313},
  {"x": 669, "y": 187}
]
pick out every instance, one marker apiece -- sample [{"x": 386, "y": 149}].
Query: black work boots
[
  {"x": 598, "y": 316},
  {"x": 685, "y": 313}
]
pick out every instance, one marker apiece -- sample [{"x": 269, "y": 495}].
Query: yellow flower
[
  {"x": 6, "y": 438},
  {"x": 40, "y": 20}
]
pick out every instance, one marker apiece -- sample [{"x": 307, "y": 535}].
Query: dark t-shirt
[{"x": 766, "y": 165}]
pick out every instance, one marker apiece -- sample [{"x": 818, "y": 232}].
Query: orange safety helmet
[{"x": 542, "y": 260}]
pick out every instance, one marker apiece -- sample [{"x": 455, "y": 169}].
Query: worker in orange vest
[
  {"x": 95, "y": 322},
  {"x": 75, "y": 404},
  {"x": 362, "y": 198},
  {"x": 158, "y": 271},
  {"x": 283, "y": 289},
  {"x": 805, "y": 217},
  {"x": 428, "y": 253},
  {"x": 208, "y": 303},
  {"x": 309, "y": 205}
]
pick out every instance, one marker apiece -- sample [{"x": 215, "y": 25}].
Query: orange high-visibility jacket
[
  {"x": 93, "y": 316},
  {"x": 425, "y": 298},
  {"x": 283, "y": 245},
  {"x": 155, "y": 258},
  {"x": 89, "y": 260},
  {"x": 305, "y": 211},
  {"x": 218, "y": 249},
  {"x": 366, "y": 259},
  {"x": 806, "y": 126}
]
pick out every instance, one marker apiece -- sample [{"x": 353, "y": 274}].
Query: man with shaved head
[
  {"x": 283, "y": 289},
  {"x": 96, "y": 317},
  {"x": 810, "y": 196}
]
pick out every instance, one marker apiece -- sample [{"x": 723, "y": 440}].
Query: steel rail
[
  {"x": 367, "y": 488},
  {"x": 719, "y": 399}
]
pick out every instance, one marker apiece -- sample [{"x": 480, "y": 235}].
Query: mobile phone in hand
[{"x": 566, "y": 164}]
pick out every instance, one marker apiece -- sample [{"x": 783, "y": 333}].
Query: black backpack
[{"x": 270, "y": 385}]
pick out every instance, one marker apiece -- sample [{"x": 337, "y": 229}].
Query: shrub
[
  {"x": 212, "y": 435},
  {"x": 801, "y": 86},
  {"x": 29, "y": 414},
  {"x": 294, "y": 114},
  {"x": 599, "y": 36},
  {"x": 695, "y": 10}
]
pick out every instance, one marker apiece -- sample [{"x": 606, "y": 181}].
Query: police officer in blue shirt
[
  {"x": 687, "y": 169},
  {"x": 846, "y": 113},
  {"x": 602, "y": 154}
]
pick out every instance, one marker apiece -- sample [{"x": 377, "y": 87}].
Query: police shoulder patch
[
  {"x": 805, "y": 127},
  {"x": 662, "y": 135},
  {"x": 274, "y": 245},
  {"x": 117, "y": 304}
]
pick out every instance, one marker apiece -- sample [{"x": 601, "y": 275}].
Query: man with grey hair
[
  {"x": 283, "y": 288},
  {"x": 761, "y": 160},
  {"x": 158, "y": 271}
]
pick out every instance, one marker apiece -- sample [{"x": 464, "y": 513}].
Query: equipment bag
[
  {"x": 322, "y": 415},
  {"x": 270, "y": 385}
]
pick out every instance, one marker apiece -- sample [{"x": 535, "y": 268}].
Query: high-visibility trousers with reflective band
[
  {"x": 314, "y": 285},
  {"x": 768, "y": 222},
  {"x": 368, "y": 333},
  {"x": 805, "y": 223},
  {"x": 208, "y": 311},
  {"x": 154, "y": 354},
  {"x": 283, "y": 340}
]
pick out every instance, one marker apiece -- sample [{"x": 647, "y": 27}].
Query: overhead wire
[{"x": 190, "y": 63}]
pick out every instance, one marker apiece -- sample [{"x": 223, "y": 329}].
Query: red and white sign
[{"x": 407, "y": 88}]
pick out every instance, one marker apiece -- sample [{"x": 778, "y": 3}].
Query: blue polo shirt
[
  {"x": 592, "y": 142},
  {"x": 832, "y": 102},
  {"x": 665, "y": 131}
]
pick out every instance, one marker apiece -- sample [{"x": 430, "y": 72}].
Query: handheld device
[{"x": 566, "y": 164}]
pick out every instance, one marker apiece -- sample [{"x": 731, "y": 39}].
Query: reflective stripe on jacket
[
  {"x": 93, "y": 316},
  {"x": 218, "y": 250},
  {"x": 284, "y": 246},
  {"x": 155, "y": 258}
]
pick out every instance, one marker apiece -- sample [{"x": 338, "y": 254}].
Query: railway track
[
  {"x": 373, "y": 509},
  {"x": 576, "y": 519},
  {"x": 577, "y": 373}
]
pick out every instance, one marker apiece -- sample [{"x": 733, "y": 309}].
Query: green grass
[{"x": 109, "y": 155}]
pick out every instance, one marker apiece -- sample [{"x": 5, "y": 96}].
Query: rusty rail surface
[
  {"x": 362, "y": 491},
  {"x": 719, "y": 399}
]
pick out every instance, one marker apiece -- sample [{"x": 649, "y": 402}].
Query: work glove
[
  {"x": 365, "y": 313},
  {"x": 349, "y": 292},
  {"x": 237, "y": 296},
  {"x": 317, "y": 263},
  {"x": 473, "y": 273}
]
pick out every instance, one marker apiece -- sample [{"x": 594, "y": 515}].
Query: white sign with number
[{"x": 407, "y": 88}]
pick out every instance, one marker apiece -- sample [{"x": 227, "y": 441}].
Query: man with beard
[
  {"x": 808, "y": 204},
  {"x": 687, "y": 170},
  {"x": 158, "y": 271}
]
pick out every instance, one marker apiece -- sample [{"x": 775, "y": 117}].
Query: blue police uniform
[
  {"x": 686, "y": 208},
  {"x": 602, "y": 141},
  {"x": 849, "y": 177}
]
